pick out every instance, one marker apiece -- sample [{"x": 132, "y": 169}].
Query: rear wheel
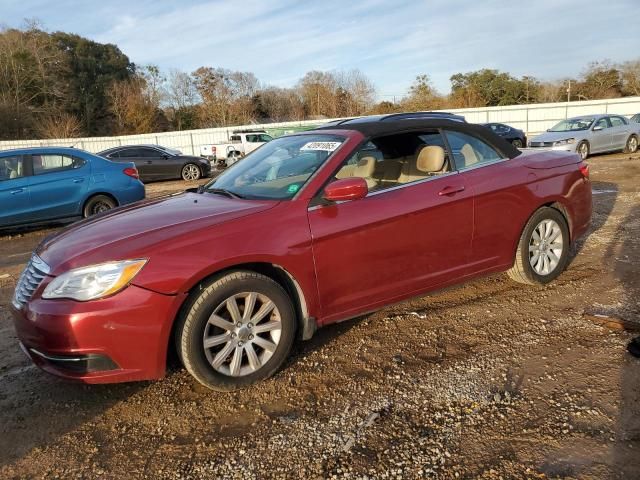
[
  {"x": 191, "y": 172},
  {"x": 238, "y": 331},
  {"x": 583, "y": 149},
  {"x": 543, "y": 249},
  {"x": 517, "y": 143},
  {"x": 632, "y": 145},
  {"x": 98, "y": 204}
]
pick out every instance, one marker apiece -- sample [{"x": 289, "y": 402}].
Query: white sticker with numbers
[{"x": 325, "y": 146}]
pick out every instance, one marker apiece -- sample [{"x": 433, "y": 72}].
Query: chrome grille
[{"x": 29, "y": 281}]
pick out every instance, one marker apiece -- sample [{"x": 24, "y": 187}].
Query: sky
[{"x": 390, "y": 41}]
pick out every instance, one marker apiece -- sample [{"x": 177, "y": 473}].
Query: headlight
[
  {"x": 566, "y": 141},
  {"x": 95, "y": 281}
]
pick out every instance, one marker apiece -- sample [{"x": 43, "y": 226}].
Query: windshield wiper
[{"x": 223, "y": 191}]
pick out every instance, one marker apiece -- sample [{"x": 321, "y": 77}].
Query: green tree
[{"x": 91, "y": 68}]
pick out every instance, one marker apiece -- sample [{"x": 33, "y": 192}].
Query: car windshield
[
  {"x": 636, "y": 118},
  {"x": 573, "y": 124},
  {"x": 278, "y": 169}
]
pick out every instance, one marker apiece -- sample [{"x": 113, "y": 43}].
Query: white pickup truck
[{"x": 241, "y": 142}]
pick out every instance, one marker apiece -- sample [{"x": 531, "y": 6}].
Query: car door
[
  {"x": 15, "y": 205},
  {"x": 620, "y": 132},
  {"x": 133, "y": 154},
  {"x": 58, "y": 185},
  {"x": 252, "y": 142},
  {"x": 600, "y": 138},
  {"x": 158, "y": 164},
  {"x": 500, "y": 188},
  {"x": 410, "y": 233}
]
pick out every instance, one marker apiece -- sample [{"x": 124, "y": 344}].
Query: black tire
[
  {"x": 98, "y": 204},
  {"x": 583, "y": 149},
  {"x": 522, "y": 270},
  {"x": 192, "y": 327},
  {"x": 516, "y": 142},
  {"x": 632, "y": 144},
  {"x": 191, "y": 172}
]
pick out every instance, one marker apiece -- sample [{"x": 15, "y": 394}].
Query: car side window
[
  {"x": 11, "y": 168},
  {"x": 265, "y": 138},
  {"x": 115, "y": 154},
  {"x": 49, "y": 163},
  {"x": 148, "y": 152},
  {"x": 128, "y": 153},
  {"x": 252, "y": 138},
  {"x": 603, "y": 122},
  {"x": 393, "y": 160},
  {"x": 617, "y": 121},
  {"x": 469, "y": 151}
]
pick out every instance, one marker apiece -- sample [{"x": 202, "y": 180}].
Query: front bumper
[{"x": 117, "y": 339}]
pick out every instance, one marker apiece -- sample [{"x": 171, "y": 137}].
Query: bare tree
[
  {"x": 182, "y": 96},
  {"x": 134, "y": 108},
  {"x": 631, "y": 77},
  {"x": 59, "y": 125}
]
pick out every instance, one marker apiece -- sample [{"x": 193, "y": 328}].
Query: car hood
[
  {"x": 555, "y": 136},
  {"x": 133, "y": 231}
]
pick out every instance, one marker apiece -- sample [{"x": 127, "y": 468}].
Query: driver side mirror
[
  {"x": 344, "y": 189},
  {"x": 597, "y": 128}
]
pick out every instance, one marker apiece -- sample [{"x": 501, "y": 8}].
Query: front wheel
[
  {"x": 98, "y": 204},
  {"x": 238, "y": 331},
  {"x": 632, "y": 145},
  {"x": 543, "y": 249},
  {"x": 517, "y": 143},
  {"x": 583, "y": 149},
  {"x": 191, "y": 172}
]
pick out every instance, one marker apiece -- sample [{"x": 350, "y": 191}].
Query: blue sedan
[{"x": 39, "y": 185}]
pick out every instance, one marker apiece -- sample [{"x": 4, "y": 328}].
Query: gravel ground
[{"x": 488, "y": 380}]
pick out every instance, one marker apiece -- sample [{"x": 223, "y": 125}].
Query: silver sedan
[{"x": 590, "y": 134}]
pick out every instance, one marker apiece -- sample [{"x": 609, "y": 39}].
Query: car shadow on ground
[
  {"x": 623, "y": 253},
  {"x": 601, "y": 210}
]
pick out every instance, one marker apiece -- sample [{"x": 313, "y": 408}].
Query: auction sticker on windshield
[{"x": 325, "y": 146}]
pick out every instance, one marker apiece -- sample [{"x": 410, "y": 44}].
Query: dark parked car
[
  {"x": 516, "y": 137},
  {"x": 39, "y": 185},
  {"x": 159, "y": 163},
  {"x": 308, "y": 230}
]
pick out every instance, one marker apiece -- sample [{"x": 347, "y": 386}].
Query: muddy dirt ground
[{"x": 491, "y": 379}]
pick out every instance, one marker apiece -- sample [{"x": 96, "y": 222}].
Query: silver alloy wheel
[
  {"x": 242, "y": 334},
  {"x": 583, "y": 150},
  {"x": 517, "y": 143},
  {"x": 545, "y": 247},
  {"x": 632, "y": 145},
  {"x": 190, "y": 172}
]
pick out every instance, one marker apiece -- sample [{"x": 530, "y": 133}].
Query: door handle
[
  {"x": 16, "y": 191},
  {"x": 149, "y": 162},
  {"x": 78, "y": 180},
  {"x": 451, "y": 190}
]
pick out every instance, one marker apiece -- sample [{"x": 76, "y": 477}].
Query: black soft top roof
[{"x": 376, "y": 128}]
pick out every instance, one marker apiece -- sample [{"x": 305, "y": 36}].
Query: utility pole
[{"x": 569, "y": 91}]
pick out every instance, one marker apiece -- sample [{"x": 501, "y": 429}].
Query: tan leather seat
[
  {"x": 429, "y": 160},
  {"x": 364, "y": 169},
  {"x": 469, "y": 154}
]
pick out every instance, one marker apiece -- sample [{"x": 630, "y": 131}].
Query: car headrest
[
  {"x": 430, "y": 159},
  {"x": 365, "y": 168}
]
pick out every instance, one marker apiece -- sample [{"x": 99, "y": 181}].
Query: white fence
[
  {"x": 532, "y": 119},
  {"x": 537, "y": 118}
]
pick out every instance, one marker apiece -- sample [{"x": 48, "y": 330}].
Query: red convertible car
[{"x": 310, "y": 229}]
